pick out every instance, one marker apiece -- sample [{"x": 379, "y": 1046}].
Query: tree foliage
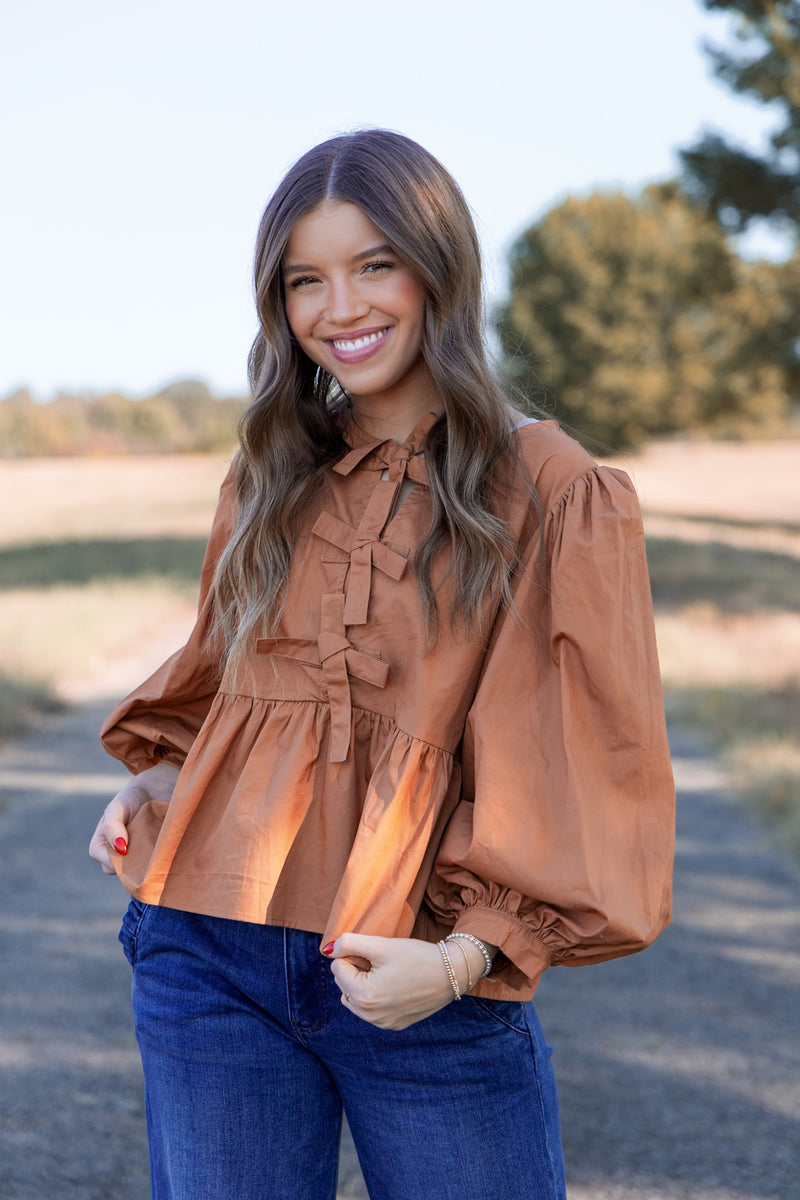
[
  {"x": 183, "y": 417},
  {"x": 640, "y": 319},
  {"x": 735, "y": 184}
]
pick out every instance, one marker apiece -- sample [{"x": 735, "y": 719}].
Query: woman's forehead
[{"x": 334, "y": 226}]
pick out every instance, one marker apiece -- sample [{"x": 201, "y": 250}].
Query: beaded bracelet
[
  {"x": 465, "y": 956},
  {"x": 448, "y": 966},
  {"x": 469, "y": 937}
]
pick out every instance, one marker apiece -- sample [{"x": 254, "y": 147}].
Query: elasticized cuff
[
  {"x": 515, "y": 941},
  {"x": 167, "y": 754}
]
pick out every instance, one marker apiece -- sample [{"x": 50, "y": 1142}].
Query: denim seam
[
  {"x": 134, "y": 941},
  {"x": 298, "y": 1029},
  {"x": 325, "y": 1014},
  {"x": 140, "y": 922},
  {"x": 550, "y": 1162},
  {"x": 524, "y": 1033}
]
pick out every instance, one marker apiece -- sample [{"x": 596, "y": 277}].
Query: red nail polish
[
  {"x": 328, "y": 949},
  {"x": 120, "y": 845}
]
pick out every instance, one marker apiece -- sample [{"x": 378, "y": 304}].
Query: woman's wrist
[
  {"x": 470, "y": 958},
  {"x": 159, "y": 780}
]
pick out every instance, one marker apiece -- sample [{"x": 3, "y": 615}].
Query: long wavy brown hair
[{"x": 291, "y": 431}]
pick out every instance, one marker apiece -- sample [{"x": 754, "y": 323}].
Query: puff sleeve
[
  {"x": 161, "y": 718},
  {"x": 560, "y": 850}
]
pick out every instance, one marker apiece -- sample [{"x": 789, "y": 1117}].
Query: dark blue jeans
[{"x": 249, "y": 1057}]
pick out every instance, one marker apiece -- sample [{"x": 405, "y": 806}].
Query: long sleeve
[
  {"x": 161, "y": 718},
  {"x": 560, "y": 850}
]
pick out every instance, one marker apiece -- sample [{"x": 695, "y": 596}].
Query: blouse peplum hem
[{"x": 257, "y": 790}]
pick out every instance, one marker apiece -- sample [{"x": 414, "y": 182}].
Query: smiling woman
[
  {"x": 413, "y": 752},
  {"x": 355, "y": 303}
]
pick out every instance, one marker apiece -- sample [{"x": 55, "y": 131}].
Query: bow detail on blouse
[
  {"x": 400, "y": 461},
  {"x": 366, "y": 551},
  {"x": 364, "y": 545},
  {"x": 332, "y": 650},
  {"x": 338, "y": 658}
]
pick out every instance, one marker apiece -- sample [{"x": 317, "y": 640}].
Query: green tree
[
  {"x": 733, "y": 183},
  {"x": 640, "y": 319}
]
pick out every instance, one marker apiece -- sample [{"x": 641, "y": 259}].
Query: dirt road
[{"x": 679, "y": 1070}]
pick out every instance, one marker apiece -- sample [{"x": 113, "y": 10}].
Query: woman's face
[{"x": 353, "y": 304}]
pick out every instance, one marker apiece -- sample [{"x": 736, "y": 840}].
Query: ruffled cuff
[{"x": 522, "y": 957}]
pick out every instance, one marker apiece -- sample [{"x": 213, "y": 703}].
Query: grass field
[{"x": 99, "y": 561}]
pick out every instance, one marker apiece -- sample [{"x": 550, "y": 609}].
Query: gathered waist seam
[{"x": 371, "y": 712}]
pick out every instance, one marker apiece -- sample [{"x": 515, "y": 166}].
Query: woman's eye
[
  {"x": 372, "y": 267},
  {"x": 301, "y": 280}
]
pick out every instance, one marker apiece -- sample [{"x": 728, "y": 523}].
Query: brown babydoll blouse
[{"x": 514, "y": 785}]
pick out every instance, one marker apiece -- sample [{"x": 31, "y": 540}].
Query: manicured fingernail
[
  {"x": 120, "y": 845},
  {"x": 328, "y": 949}
]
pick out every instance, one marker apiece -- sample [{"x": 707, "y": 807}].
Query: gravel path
[{"x": 679, "y": 1070}]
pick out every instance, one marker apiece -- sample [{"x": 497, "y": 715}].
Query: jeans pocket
[
  {"x": 510, "y": 1013},
  {"x": 131, "y": 926}
]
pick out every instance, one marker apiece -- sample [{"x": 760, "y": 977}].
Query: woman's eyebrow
[
  {"x": 384, "y": 249},
  {"x": 290, "y": 268}
]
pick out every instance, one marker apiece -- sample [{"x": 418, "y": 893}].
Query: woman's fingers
[
  {"x": 99, "y": 849},
  {"x": 353, "y": 958},
  {"x": 111, "y": 832},
  {"x": 405, "y": 980},
  {"x": 104, "y": 837},
  {"x": 357, "y": 945},
  {"x": 111, "y": 835}
]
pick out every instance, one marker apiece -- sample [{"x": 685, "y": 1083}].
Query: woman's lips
[{"x": 363, "y": 345}]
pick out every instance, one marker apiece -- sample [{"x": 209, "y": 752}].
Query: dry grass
[
  {"x": 757, "y": 729},
  {"x": 753, "y": 482},
  {"x": 723, "y": 525},
  {"x": 55, "y": 499},
  {"x": 703, "y": 647},
  {"x": 22, "y": 701},
  {"x": 768, "y": 778},
  {"x": 99, "y": 562},
  {"x": 93, "y": 641}
]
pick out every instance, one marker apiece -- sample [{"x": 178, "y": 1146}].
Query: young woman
[{"x": 413, "y": 752}]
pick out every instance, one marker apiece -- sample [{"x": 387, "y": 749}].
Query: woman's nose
[{"x": 346, "y": 303}]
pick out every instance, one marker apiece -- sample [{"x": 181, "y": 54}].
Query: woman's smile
[{"x": 358, "y": 345}]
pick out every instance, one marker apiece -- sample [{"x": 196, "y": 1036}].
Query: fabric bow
[{"x": 338, "y": 659}]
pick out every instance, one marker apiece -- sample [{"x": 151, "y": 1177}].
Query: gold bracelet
[
  {"x": 465, "y": 956},
  {"x": 470, "y": 937},
  {"x": 448, "y": 966}
]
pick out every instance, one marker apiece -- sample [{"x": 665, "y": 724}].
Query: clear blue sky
[{"x": 140, "y": 141}]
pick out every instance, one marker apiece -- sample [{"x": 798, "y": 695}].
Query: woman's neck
[
  {"x": 394, "y": 412},
  {"x": 394, "y": 417},
  {"x": 394, "y": 426}
]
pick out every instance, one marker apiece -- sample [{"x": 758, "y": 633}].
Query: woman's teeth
[{"x": 359, "y": 343}]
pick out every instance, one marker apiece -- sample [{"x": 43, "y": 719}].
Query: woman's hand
[
  {"x": 156, "y": 783},
  {"x": 406, "y": 980}
]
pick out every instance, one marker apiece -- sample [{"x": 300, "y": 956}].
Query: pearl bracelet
[
  {"x": 469, "y": 937},
  {"x": 468, "y": 965},
  {"x": 448, "y": 966}
]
